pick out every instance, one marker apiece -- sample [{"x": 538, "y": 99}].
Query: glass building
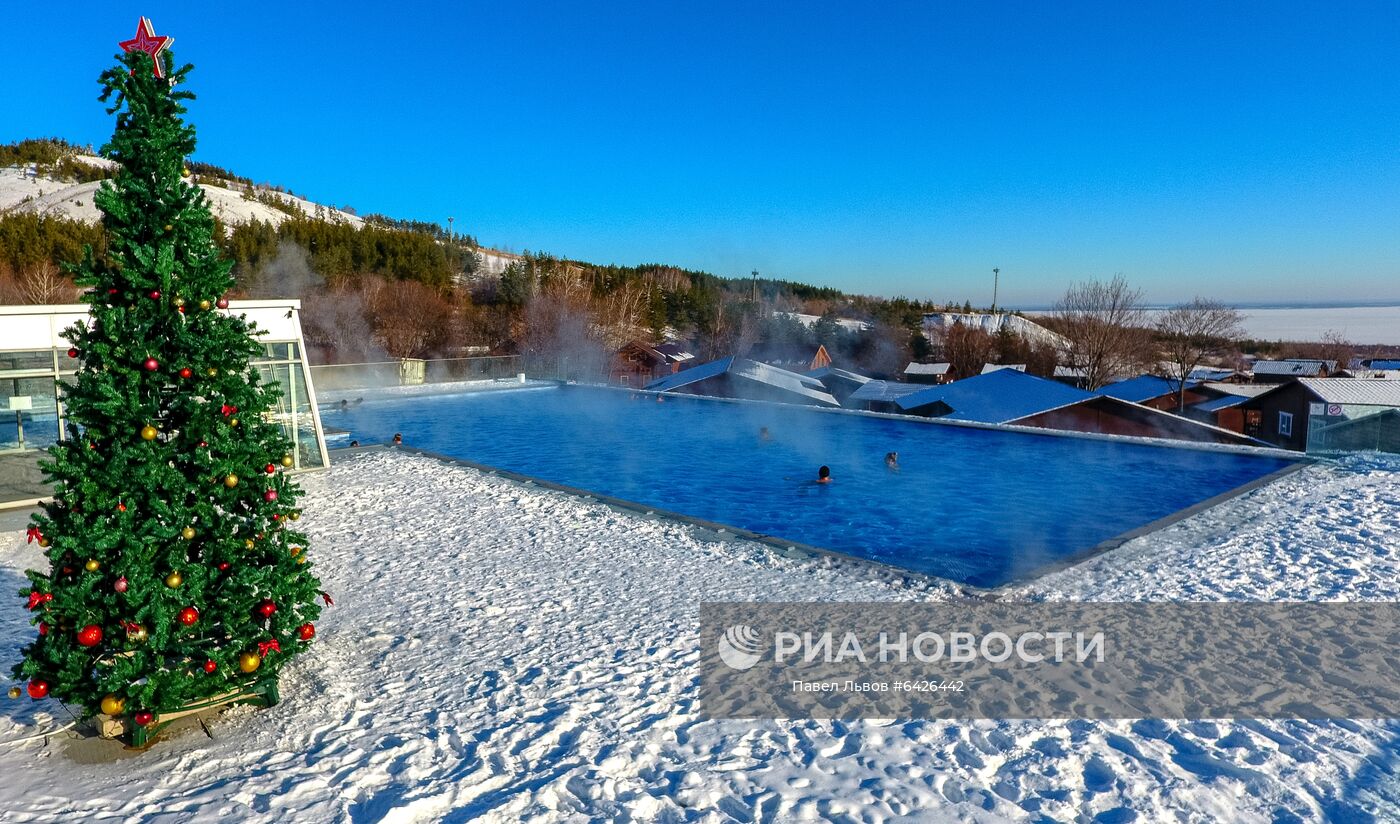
[{"x": 34, "y": 357}]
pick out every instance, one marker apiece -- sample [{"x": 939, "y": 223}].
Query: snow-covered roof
[
  {"x": 676, "y": 351},
  {"x": 743, "y": 369},
  {"x": 826, "y": 373},
  {"x": 927, "y": 368},
  {"x": 996, "y": 397},
  {"x": 995, "y": 367},
  {"x": 1361, "y": 391},
  {"x": 1142, "y": 388},
  {"x": 885, "y": 391},
  {"x": 1244, "y": 390},
  {"x": 1295, "y": 368}
]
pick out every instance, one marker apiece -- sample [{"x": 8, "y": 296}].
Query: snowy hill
[
  {"x": 23, "y": 189},
  {"x": 935, "y": 323}
]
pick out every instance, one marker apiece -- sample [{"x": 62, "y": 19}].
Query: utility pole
[
  {"x": 996, "y": 280},
  {"x": 449, "y": 228},
  {"x": 754, "y": 293}
]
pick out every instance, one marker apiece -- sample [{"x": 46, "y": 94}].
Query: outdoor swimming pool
[{"x": 973, "y": 505}]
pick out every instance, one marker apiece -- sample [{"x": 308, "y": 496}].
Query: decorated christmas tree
[{"x": 175, "y": 579}]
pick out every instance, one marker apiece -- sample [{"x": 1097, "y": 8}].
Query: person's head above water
[
  {"x": 398, "y": 438},
  {"x": 824, "y": 475},
  {"x": 891, "y": 458},
  {"x": 763, "y": 433}
]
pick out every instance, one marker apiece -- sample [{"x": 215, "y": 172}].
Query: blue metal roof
[
  {"x": 1217, "y": 404},
  {"x": 1142, "y": 388},
  {"x": 1384, "y": 364},
  {"x": 691, "y": 375},
  {"x": 997, "y": 397}
]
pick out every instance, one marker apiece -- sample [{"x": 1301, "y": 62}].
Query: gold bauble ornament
[
  {"x": 204, "y": 304},
  {"x": 248, "y": 544},
  {"x": 148, "y": 433},
  {"x": 44, "y": 543},
  {"x": 185, "y": 172},
  {"x": 112, "y": 705},
  {"x": 174, "y": 579},
  {"x": 301, "y": 559},
  {"x": 233, "y": 422},
  {"x": 211, "y": 372},
  {"x": 287, "y": 460},
  {"x": 179, "y": 301},
  {"x": 230, "y": 480},
  {"x": 92, "y": 565},
  {"x": 187, "y": 533},
  {"x": 249, "y": 661},
  {"x": 295, "y": 516},
  {"x": 15, "y": 692},
  {"x": 168, "y": 227}
]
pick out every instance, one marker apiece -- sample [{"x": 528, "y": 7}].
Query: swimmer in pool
[
  {"x": 892, "y": 460},
  {"x": 824, "y": 475},
  {"x": 764, "y": 434},
  {"x": 398, "y": 439}
]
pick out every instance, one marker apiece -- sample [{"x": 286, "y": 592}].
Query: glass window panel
[{"x": 26, "y": 361}]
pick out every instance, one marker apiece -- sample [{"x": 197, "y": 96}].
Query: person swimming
[
  {"x": 764, "y": 434},
  {"x": 892, "y": 460},
  {"x": 824, "y": 475},
  {"x": 354, "y": 443},
  {"x": 398, "y": 439}
]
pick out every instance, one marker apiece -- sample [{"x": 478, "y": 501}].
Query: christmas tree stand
[{"x": 137, "y": 737}]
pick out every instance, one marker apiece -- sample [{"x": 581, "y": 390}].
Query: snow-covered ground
[{"x": 504, "y": 653}]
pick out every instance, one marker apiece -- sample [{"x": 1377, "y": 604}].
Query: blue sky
[{"x": 1249, "y": 153}]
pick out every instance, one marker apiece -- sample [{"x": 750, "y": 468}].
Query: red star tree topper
[{"x": 146, "y": 40}]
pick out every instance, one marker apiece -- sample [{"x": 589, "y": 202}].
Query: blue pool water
[{"x": 972, "y": 505}]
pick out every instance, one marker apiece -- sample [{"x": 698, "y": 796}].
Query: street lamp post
[{"x": 996, "y": 279}]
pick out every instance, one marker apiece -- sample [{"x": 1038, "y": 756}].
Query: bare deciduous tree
[
  {"x": 44, "y": 284},
  {"x": 1103, "y": 325},
  {"x": 1191, "y": 331},
  {"x": 967, "y": 349}
]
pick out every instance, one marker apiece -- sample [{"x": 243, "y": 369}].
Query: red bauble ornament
[
  {"x": 72, "y": 353},
  {"x": 270, "y": 495},
  {"x": 186, "y": 372},
  {"x": 111, "y": 291},
  {"x": 266, "y": 609},
  {"x": 120, "y": 585},
  {"x": 143, "y": 718},
  {"x": 181, "y": 308},
  {"x": 222, "y": 303},
  {"x": 121, "y": 507},
  {"x": 43, "y": 628},
  {"x": 270, "y": 468},
  {"x": 38, "y": 688},
  {"x": 188, "y": 616},
  {"x": 223, "y": 566},
  {"x": 203, "y": 443},
  {"x": 210, "y": 666},
  {"x": 150, "y": 364},
  {"x": 146, "y": 40},
  {"x": 155, "y": 294},
  {"x": 306, "y": 632},
  {"x": 90, "y": 635}
]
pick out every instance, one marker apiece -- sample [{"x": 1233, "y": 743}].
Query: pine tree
[{"x": 174, "y": 574}]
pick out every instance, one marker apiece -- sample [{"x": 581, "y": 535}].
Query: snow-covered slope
[
  {"x": 935, "y": 323},
  {"x": 23, "y": 190},
  {"x": 503, "y": 653}
]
